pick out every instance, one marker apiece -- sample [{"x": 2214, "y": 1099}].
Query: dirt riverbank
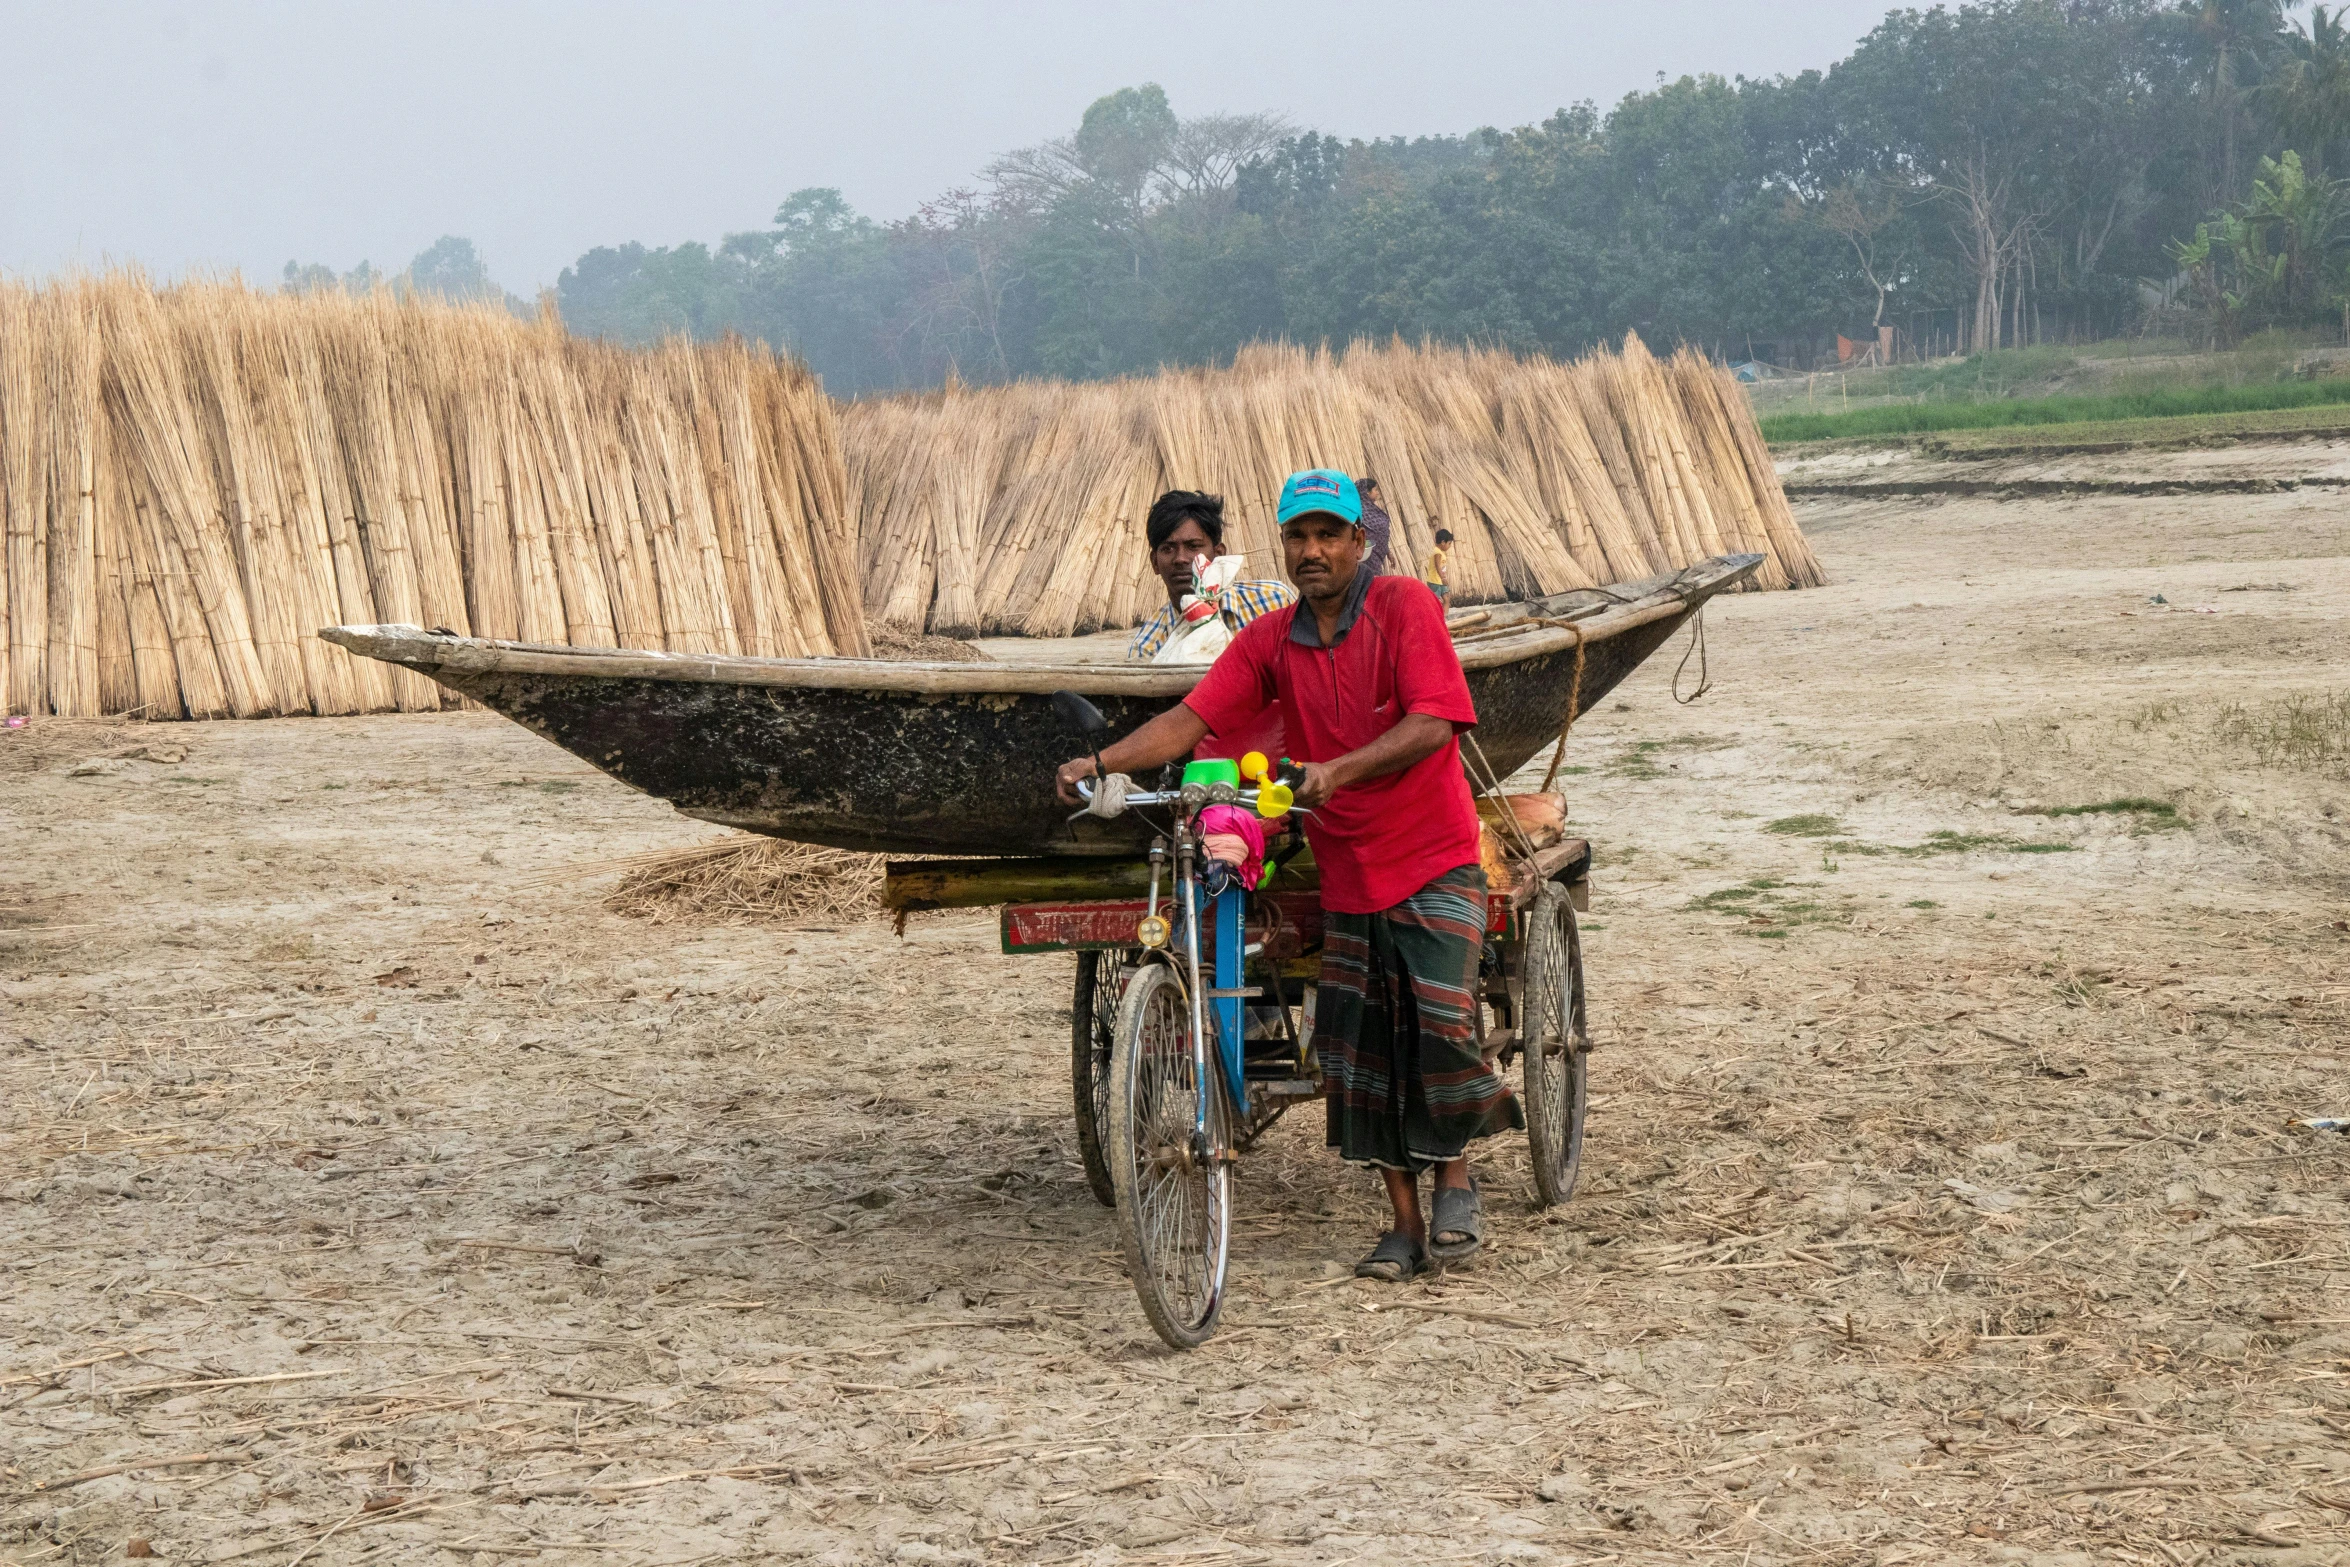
[{"x": 368, "y": 1193}]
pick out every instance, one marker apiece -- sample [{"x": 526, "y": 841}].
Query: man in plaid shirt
[{"x": 1186, "y": 527}]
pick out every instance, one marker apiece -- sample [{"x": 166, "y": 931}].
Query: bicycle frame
[
  {"x": 1221, "y": 1000},
  {"x": 1214, "y": 995}
]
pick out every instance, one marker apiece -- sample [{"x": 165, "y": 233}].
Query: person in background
[
  {"x": 1377, "y": 525},
  {"x": 1184, "y": 528},
  {"x": 1439, "y": 559}
]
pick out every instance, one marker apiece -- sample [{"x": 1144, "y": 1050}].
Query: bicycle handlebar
[
  {"x": 1172, "y": 796},
  {"x": 1199, "y": 795}
]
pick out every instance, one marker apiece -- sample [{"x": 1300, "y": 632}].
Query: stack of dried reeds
[
  {"x": 1017, "y": 509},
  {"x": 193, "y": 480}
]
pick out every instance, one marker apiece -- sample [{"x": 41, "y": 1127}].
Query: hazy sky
[{"x": 246, "y": 135}]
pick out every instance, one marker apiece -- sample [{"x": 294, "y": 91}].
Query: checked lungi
[{"x": 1395, "y": 1029}]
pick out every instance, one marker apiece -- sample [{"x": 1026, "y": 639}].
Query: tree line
[
  {"x": 450, "y": 268},
  {"x": 1967, "y": 178}
]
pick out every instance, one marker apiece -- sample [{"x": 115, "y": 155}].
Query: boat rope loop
[
  {"x": 1705, "y": 679},
  {"x": 1574, "y": 698}
]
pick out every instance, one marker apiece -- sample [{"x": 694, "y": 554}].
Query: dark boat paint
[{"x": 899, "y": 772}]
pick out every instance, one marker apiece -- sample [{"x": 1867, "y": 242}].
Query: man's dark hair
[
  {"x": 1444, "y": 535},
  {"x": 1169, "y": 510}
]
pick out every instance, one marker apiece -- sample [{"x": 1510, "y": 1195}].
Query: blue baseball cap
[{"x": 1320, "y": 489}]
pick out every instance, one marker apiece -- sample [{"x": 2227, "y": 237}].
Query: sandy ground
[
  {"x": 369, "y": 1193},
  {"x": 2320, "y": 463}
]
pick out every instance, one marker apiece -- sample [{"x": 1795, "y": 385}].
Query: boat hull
[{"x": 940, "y": 759}]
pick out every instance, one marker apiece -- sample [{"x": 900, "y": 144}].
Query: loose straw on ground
[{"x": 749, "y": 880}]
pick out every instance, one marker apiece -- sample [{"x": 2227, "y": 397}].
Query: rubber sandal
[
  {"x": 1460, "y": 1210},
  {"x": 1396, "y": 1258}
]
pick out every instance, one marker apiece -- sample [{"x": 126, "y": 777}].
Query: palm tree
[
  {"x": 2308, "y": 95},
  {"x": 2236, "y": 38}
]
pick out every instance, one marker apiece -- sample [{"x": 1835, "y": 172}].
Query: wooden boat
[{"x": 957, "y": 759}]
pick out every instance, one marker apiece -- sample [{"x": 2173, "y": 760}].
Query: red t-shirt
[{"x": 1380, "y": 841}]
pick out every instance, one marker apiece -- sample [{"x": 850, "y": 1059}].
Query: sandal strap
[
  {"x": 1460, "y": 1210},
  {"x": 1398, "y": 1248}
]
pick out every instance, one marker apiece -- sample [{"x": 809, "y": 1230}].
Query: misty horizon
[{"x": 552, "y": 133}]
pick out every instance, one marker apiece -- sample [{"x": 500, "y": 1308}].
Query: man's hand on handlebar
[
  {"x": 1316, "y": 786},
  {"x": 1066, "y": 780},
  {"x": 1166, "y": 737}
]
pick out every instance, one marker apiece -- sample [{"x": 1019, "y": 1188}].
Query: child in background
[{"x": 1438, "y": 559}]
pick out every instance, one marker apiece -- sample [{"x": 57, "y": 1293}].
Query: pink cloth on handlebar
[{"x": 1236, "y": 837}]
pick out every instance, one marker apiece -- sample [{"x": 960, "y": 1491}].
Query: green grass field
[{"x": 1926, "y": 418}]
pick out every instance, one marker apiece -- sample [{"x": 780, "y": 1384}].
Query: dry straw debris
[
  {"x": 194, "y": 479},
  {"x": 898, "y": 645},
  {"x": 1010, "y": 510},
  {"x": 746, "y": 880}
]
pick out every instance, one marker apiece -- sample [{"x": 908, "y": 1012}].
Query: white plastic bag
[{"x": 1202, "y": 633}]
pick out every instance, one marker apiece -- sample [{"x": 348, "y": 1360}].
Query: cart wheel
[
  {"x": 1093, "y": 1019},
  {"x": 1174, "y": 1196},
  {"x": 1556, "y": 1040}
]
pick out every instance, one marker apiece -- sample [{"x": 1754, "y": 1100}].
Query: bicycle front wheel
[{"x": 1173, "y": 1184}]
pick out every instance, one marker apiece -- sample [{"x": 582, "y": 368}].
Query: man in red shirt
[{"x": 1375, "y": 701}]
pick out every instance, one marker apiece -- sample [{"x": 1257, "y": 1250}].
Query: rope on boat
[
  {"x": 1696, "y": 649},
  {"x": 1574, "y": 700}
]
